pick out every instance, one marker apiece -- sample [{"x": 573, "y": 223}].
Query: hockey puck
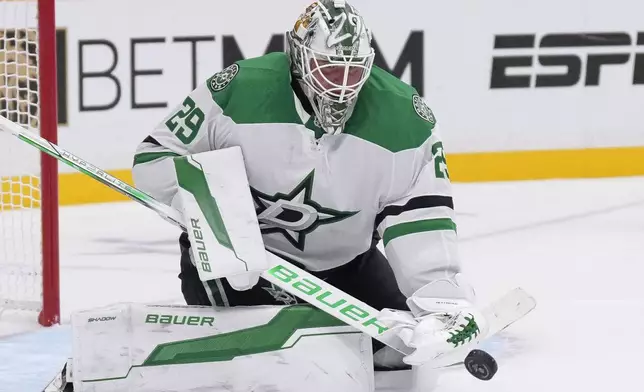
[{"x": 481, "y": 365}]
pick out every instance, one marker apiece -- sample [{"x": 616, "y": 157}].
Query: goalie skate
[{"x": 62, "y": 382}]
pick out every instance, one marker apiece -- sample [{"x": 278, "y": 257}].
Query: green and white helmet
[{"x": 331, "y": 57}]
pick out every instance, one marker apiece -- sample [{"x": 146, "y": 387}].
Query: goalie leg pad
[{"x": 133, "y": 347}]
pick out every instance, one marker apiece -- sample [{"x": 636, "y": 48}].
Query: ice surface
[{"x": 577, "y": 246}]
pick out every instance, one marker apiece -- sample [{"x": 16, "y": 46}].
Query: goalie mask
[{"x": 331, "y": 58}]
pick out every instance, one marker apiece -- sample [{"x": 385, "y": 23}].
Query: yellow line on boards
[
  {"x": 77, "y": 188},
  {"x": 548, "y": 164}
]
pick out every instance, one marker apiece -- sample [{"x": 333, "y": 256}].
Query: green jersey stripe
[
  {"x": 146, "y": 157},
  {"x": 403, "y": 229}
]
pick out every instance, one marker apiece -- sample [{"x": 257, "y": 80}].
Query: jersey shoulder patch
[
  {"x": 222, "y": 79},
  {"x": 422, "y": 109},
  {"x": 255, "y": 90},
  {"x": 391, "y": 114}
]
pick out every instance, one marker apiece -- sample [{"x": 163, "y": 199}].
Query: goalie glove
[{"x": 443, "y": 322}]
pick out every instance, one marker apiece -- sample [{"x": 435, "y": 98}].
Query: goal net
[{"x": 26, "y": 214}]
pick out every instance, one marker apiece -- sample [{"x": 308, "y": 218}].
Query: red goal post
[{"x": 29, "y": 189}]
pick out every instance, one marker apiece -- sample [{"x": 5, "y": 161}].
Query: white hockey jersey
[{"x": 320, "y": 197}]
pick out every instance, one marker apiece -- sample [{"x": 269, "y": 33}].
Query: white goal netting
[{"x": 20, "y": 219}]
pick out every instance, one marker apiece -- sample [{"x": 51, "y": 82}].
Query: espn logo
[{"x": 571, "y": 56}]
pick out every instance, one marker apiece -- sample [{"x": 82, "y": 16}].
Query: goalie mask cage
[{"x": 28, "y": 179}]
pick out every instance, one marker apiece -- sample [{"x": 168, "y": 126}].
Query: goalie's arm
[
  {"x": 189, "y": 128},
  {"x": 417, "y": 224}
]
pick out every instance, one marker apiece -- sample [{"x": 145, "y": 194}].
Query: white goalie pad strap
[
  {"x": 214, "y": 198},
  {"x": 132, "y": 347}
]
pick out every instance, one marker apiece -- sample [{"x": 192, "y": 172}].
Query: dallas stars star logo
[{"x": 294, "y": 215}]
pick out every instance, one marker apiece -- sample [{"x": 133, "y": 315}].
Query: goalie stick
[{"x": 291, "y": 278}]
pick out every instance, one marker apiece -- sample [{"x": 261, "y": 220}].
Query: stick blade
[{"x": 508, "y": 309}]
